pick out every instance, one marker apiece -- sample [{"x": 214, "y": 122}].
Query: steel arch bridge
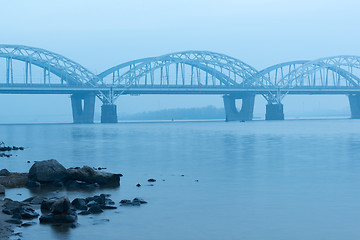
[{"x": 35, "y": 70}]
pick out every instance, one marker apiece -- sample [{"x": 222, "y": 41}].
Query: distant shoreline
[{"x": 179, "y": 121}]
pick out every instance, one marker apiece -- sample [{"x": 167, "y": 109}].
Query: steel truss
[{"x": 187, "y": 69}]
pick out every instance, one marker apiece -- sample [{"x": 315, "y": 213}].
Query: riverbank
[{"x": 6, "y": 229}]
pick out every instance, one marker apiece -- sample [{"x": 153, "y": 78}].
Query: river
[{"x": 293, "y": 179}]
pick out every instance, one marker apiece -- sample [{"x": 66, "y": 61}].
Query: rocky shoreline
[
  {"x": 6, "y": 229},
  {"x": 55, "y": 210}
]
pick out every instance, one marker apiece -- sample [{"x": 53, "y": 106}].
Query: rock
[
  {"x": 100, "y": 199},
  {"x": 19, "y": 210},
  {"x": 46, "y": 204},
  {"x": 28, "y": 200},
  {"x": 7, "y": 211},
  {"x": 151, "y": 180},
  {"x": 135, "y": 203},
  {"x": 28, "y": 161},
  {"x": 47, "y": 171},
  {"x": 107, "y": 207},
  {"x": 84, "y": 213},
  {"x": 92, "y": 185},
  {"x": 14, "y": 221},
  {"x": 109, "y": 202},
  {"x": 4, "y": 172},
  {"x": 140, "y": 200},
  {"x": 14, "y": 180},
  {"x": 58, "y": 184},
  {"x": 89, "y": 199},
  {"x": 138, "y": 185},
  {"x": 32, "y": 184},
  {"x": 28, "y": 214},
  {"x": 36, "y": 200},
  {"x": 16, "y": 215},
  {"x": 92, "y": 203},
  {"x": 125, "y": 202},
  {"x": 58, "y": 218},
  {"x": 12, "y": 206},
  {"x": 79, "y": 204},
  {"x": 60, "y": 211},
  {"x": 72, "y": 184},
  {"x": 95, "y": 209},
  {"x": 89, "y": 175},
  {"x": 28, "y": 224},
  {"x": 60, "y": 206},
  {"x": 2, "y": 190}
]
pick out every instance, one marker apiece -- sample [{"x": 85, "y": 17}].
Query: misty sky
[{"x": 101, "y": 34}]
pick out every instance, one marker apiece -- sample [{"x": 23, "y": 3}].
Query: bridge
[{"x": 30, "y": 70}]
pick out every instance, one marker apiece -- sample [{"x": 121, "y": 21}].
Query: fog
[{"x": 99, "y": 35}]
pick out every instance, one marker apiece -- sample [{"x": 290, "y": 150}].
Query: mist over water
[{"x": 294, "y": 179}]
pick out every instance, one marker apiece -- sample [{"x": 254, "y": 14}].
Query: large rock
[
  {"x": 60, "y": 211},
  {"x": 89, "y": 175},
  {"x": 4, "y": 172},
  {"x": 46, "y": 204},
  {"x": 60, "y": 206},
  {"x": 47, "y": 171}
]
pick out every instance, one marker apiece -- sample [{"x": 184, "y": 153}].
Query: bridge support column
[
  {"x": 247, "y": 108},
  {"x": 108, "y": 113},
  {"x": 274, "y": 111},
  {"x": 354, "y": 101},
  {"x": 83, "y": 106}
]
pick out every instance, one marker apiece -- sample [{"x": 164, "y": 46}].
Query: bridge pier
[
  {"x": 274, "y": 111},
  {"x": 83, "y": 106},
  {"x": 354, "y": 100},
  {"x": 247, "y": 108},
  {"x": 109, "y": 113}
]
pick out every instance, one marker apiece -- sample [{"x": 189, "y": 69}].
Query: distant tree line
[{"x": 209, "y": 112}]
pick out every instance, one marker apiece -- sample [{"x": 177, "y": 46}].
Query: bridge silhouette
[{"x": 30, "y": 70}]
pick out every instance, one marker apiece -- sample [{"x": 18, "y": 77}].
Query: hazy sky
[{"x": 100, "y": 34}]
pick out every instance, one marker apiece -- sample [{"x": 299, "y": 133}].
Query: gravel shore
[{"x": 6, "y": 229}]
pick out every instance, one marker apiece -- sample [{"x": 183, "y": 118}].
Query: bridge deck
[{"x": 64, "y": 89}]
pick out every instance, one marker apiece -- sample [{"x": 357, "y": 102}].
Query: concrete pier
[
  {"x": 109, "y": 113},
  {"x": 274, "y": 111},
  {"x": 83, "y": 106},
  {"x": 247, "y": 108},
  {"x": 354, "y": 100}
]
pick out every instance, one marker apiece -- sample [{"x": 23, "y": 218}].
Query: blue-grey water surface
[{"x": 294, "y": 179}]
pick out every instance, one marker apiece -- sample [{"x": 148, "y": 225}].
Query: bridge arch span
[
  {"x": 272, "y": 76},
  {"x": 67, "y": 70},
  {"x": 227, "y": 70},
  {"x": 330, "y": 72},
  {"x": 118, "y": 70}
]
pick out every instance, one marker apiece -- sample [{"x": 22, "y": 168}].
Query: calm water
[{"x": 295, "y": 179}]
